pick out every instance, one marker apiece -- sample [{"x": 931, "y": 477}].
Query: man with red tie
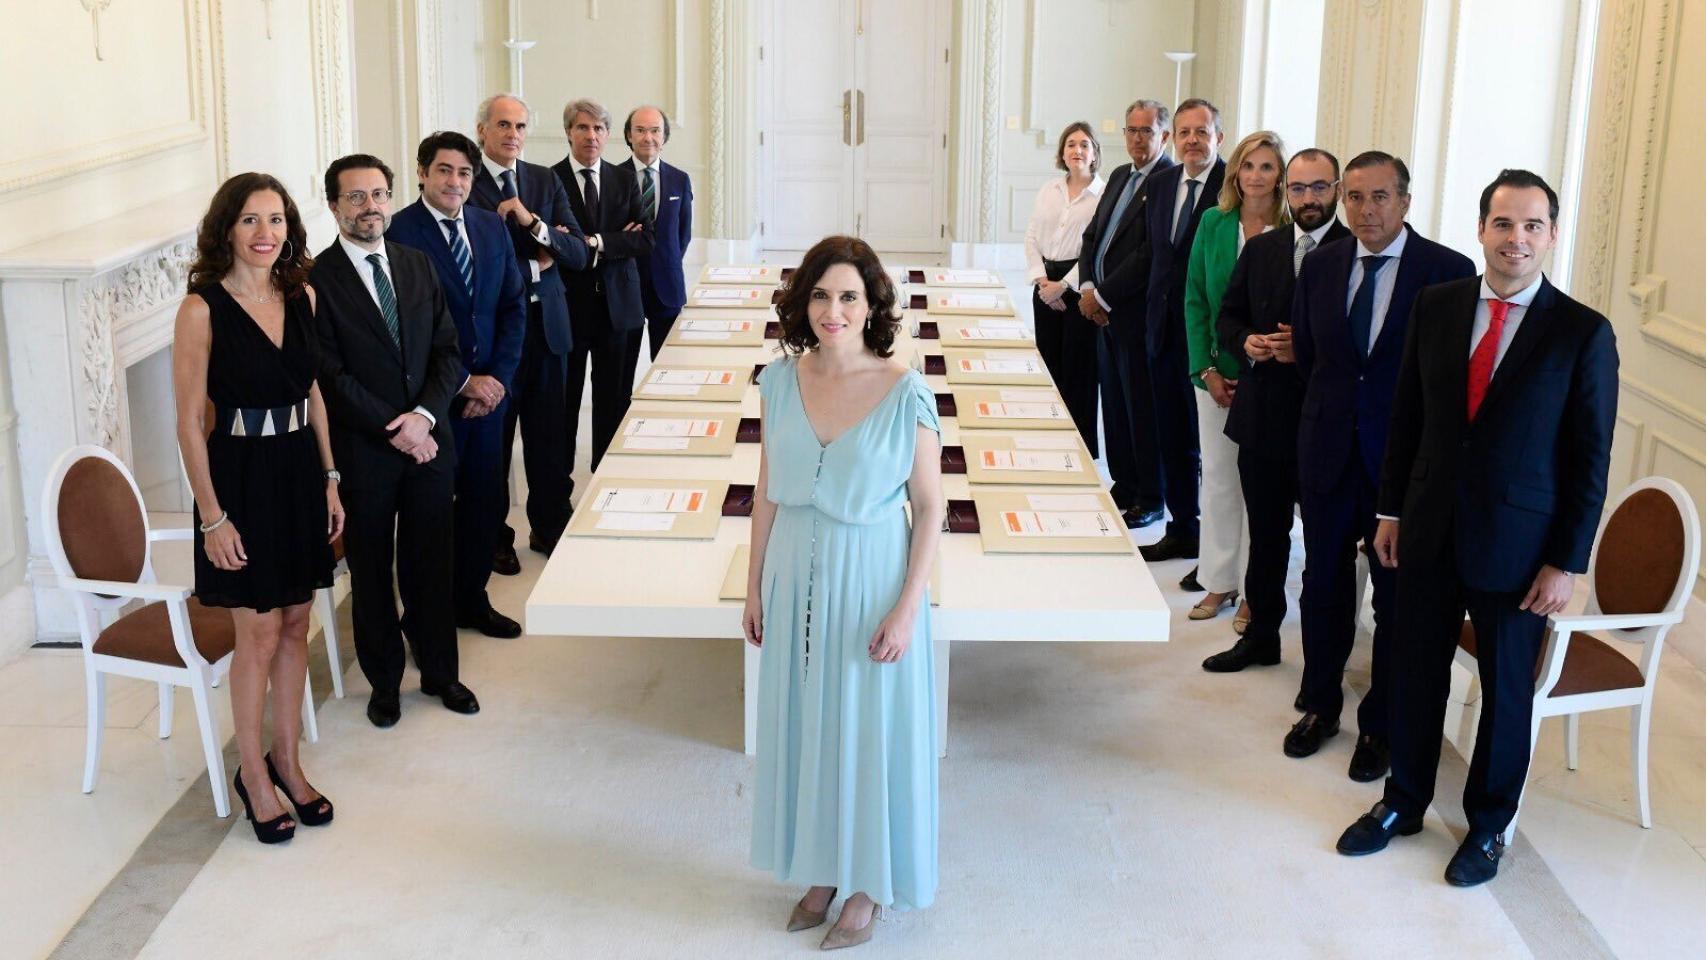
[{"x": 1492, "y": 488}]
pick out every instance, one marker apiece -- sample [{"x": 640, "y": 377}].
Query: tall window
[{"x": 1282, "y": 71}]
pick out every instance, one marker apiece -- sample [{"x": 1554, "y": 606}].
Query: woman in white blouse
[{"x": 1066, "y": 340}]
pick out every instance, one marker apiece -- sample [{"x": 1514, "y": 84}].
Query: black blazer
[
  {"x": 1346, "y": 398},
  {"x": 1524, "y": 484},
  {"x": 1269, "y": 398},
  {"x": 364, "y": 378},
  {"x": 616, "y": 275},
  {"x": 542, "y": 194},
  {"x": 1168, "y": 265},
  {"x": 1127, "y": 262}
]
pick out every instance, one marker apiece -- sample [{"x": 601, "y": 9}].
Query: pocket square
[{"x": 677, "y": 197}]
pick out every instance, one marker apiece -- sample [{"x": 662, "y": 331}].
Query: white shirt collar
[
  {"x": 438, "y": 214},
  {"x": 1298, "y": 233},
  {"x": 495, "y": 168},
  {"x": 1522, "y": 298},
  {"x": 655, "y": 166},
  {"x": 1201, "y": 178},
  {"x": 577, "y": 167},
  {"x": 358, "y": 255},
  {"x": 1093, "y": 189},
  {"x": 1394, "y": 249},
  {"x": 1149, "y": 167}
]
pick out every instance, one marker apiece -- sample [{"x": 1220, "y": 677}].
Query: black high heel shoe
[
  {"x": 272, "y": 831},
  {"x": 308, "y": 814}
]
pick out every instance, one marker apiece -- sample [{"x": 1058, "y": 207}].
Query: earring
[{"x": 286, "y": 257}]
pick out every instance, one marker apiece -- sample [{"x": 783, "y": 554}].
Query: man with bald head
[{"x": 666, "y": 199}]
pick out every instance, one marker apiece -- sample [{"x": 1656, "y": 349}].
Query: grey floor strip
[{"x": 128, "y": 910}]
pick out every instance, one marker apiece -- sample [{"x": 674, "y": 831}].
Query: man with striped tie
[
  {"x": 477, "y": 270},
  {"x": 666, "y": 199}
]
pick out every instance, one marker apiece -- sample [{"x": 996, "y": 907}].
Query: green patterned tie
[
  {"x": 387, "y": 297},
  {"x": 649, "y": 196}
]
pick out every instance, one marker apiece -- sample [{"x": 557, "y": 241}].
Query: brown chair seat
[
  {"x": 146, "y": 635},
  {"x": 1591, "y": 666}
]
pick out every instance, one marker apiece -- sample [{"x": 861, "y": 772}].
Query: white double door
[{"x": 853, "y": 98}]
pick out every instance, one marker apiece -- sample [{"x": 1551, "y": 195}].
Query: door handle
[
  {"x": 859, "y": 141},
  {"x": 847, "y": 118},
  {"x": 859, "y": 224}
]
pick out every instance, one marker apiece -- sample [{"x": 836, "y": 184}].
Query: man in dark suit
[
  {"x": 605, "y": 302},
  {"x": 1349, "y": 317},
  {"x": 1113, "y": 268},
  {"x": 666, "y": 200},
  {"x": 389, "y": 367},
  {"x": 471, "y": 252},
  {"x": 1255, "y": 326},
  {"x": 1179, "y": 197},
  {"x": 545, "y": 235},
  {"x": 1495, "y": 473}
]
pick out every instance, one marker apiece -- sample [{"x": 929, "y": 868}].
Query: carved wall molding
[
  {"x": 1598, "y": 230},
  {"x": 429, "y": 99},
  {"x": 719, "y": 96},
  {"x": 331, "y": 85},
  {"x": 30, "y": 171},
  {"x": 1652, "y": 149},
  {"x": 1033, "y": 121},
  {"x": 677, "y": 63},
  {"x": 989, "y": 160},
  {"x": 134, "y": 290}
]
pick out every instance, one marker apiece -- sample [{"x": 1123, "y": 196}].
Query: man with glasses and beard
[
  {"x": 1255, "y": 325},
  {"x": 389, "y": 366}
]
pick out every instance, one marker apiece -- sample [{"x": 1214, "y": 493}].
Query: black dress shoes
[
  {"x": 383, "y": 709},
  {"x": 456, "y": 697},
  {"x": 1375, "y": 829},
  {"x": 504, "y": 562},
  {"x": 1247, "y": 652},
  {"x": 489, "y": 622},
  {"x": 539, "y": 545},
  {"x": 1307, "y": 735},
  {"x": 1371, "y": 759},
  {"x": 1476, "y": 861},
  {"x": 1170, "y": 547},
  {"x": 1190, "y": 583},
  {"x": 1136, "y": 517}
]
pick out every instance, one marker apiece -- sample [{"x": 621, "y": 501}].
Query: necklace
[{"x": 233, "y": 289}]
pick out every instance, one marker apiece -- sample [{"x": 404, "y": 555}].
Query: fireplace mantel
[{"x": 79, "y": 309}]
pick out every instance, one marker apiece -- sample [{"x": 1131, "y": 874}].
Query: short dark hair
[
  {"x": 628, "y": 124},
  {"x": 884, "y": 320},
  {"x": 1195, "y": 103},
  {"x": 1078, "y": 126},
  {"x": 1522, "y": 179},
  {"x": 1380, "y": 158},
  {"x": 446, "y": 140},
  {"x": 1316, "y": 153},
  {"x": 355, "y": 161}
]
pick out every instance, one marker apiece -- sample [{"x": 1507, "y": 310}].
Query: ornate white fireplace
[{"x": 80, "y": 310}]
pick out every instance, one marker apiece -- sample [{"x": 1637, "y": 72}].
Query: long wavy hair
[
  {"x": 881, "y": 324},
  {"x": 1232, "y": 192},
  {"x": 214, "y": 254}
]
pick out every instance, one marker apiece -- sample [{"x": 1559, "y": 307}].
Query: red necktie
[{"x": 1486, "y": 352}]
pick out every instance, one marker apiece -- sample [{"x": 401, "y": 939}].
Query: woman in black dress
[{"x": 266, "y": 490}]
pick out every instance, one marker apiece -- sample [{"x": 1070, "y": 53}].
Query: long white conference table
[{"x": 609, "y": 587}]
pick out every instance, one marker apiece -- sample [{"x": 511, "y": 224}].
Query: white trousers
[{"x": 1224, "y": 544}]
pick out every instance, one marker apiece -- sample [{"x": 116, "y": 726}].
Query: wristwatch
[{"x": 334, "y": 476}]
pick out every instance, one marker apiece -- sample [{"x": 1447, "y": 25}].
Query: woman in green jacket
[{"x": 1252, "y": 200}]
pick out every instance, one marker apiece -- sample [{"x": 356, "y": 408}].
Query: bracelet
[{"x": 224, "y": 515}]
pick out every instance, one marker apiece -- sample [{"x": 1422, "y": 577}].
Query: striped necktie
[
  {"x": 459, "y": 253},
  {"x": 1305, "y": 244},
  {"x": 387, "y": 297},
  {"x": 649, "y": 195}
]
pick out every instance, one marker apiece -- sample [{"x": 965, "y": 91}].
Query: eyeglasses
[
  {"x": 1319, "y": 188},
  {"x": 1145, "y": 132},
  {"x": 359, "y": 198}
]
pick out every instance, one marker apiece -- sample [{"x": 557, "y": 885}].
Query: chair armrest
[
  {"x": 1622, "y": 621},
  {"x": 175, "y": 533},
  {"x": 121, "y": 588}
]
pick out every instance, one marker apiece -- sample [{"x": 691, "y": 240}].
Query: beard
[
  {"x": 1311, "y": 216},
  {"x": 367, "y": 226}
]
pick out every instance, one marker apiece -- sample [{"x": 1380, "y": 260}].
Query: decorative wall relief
[
  {"x": 142, "y": 286},
  {"x": 95, "y": 8}
]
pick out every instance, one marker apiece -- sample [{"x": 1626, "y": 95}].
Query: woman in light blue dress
[{"x": 846, "y": 793}]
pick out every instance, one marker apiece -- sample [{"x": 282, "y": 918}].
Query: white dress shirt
[
  {"x": 1298, "y": 233},
  {"x": 1518, "y": 301},
  {"x": 541, "y": 229},
  {"x": 439, "y": 216},
  {"x": 656, "y": 167},
  {"x": 594, "y": 240},
  {"x": 364, "y": 270},
  {"x": 1384, "y": 281},
  {"x": 1184, "y": 194},
  {"x": 1056, "y": 227}
]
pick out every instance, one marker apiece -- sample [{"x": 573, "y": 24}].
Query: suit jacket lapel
[
  {"x": 1529, "y": 333},
  {"x": 1459, "y": 321},
  {"x": 356, "y": 291},
  {"x": 1132, "y": 210},
  {"x": 1404, "y": 288},
  {"x": 487, "y": 189}
]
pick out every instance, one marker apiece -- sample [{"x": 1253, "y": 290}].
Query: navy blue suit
[
  {"x": 541, "y": 381},
  {"x": 663, "y": 287},
  {"x": 1341, "y": 439},
  {"x": 490, "y": 322},
  {"x": 1164, "y": 336},
  {"x": 1481, "y": 507}
]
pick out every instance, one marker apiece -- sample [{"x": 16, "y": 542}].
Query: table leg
[
  {"x": 751, "y": 697},
  {"x": 941, "y": 653}
]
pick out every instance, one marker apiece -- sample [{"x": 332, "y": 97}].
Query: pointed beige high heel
[
  {"x": 839, "y": 937},
  {"x": 803, "y": 919},
  {"x": 1207, "y": 611}
]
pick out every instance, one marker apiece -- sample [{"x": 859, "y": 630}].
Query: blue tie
[
  {"x": 459, "y": 253},
  {"x": 1362, "y": 307},
  {"x": 509, "y": 184},
  {"x": 1185, "y": 212},
  {"x": 1114, "y": 221}
]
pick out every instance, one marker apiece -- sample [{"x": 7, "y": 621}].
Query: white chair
[
  {"x": 102, "y": 553},
  {"x": 1645, "y": 558}
]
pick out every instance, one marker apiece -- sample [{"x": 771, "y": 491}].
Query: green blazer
[{"x": 1213, "y": 254}]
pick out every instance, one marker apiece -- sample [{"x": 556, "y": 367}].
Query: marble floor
[{"x": 1097, "y": 800}]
